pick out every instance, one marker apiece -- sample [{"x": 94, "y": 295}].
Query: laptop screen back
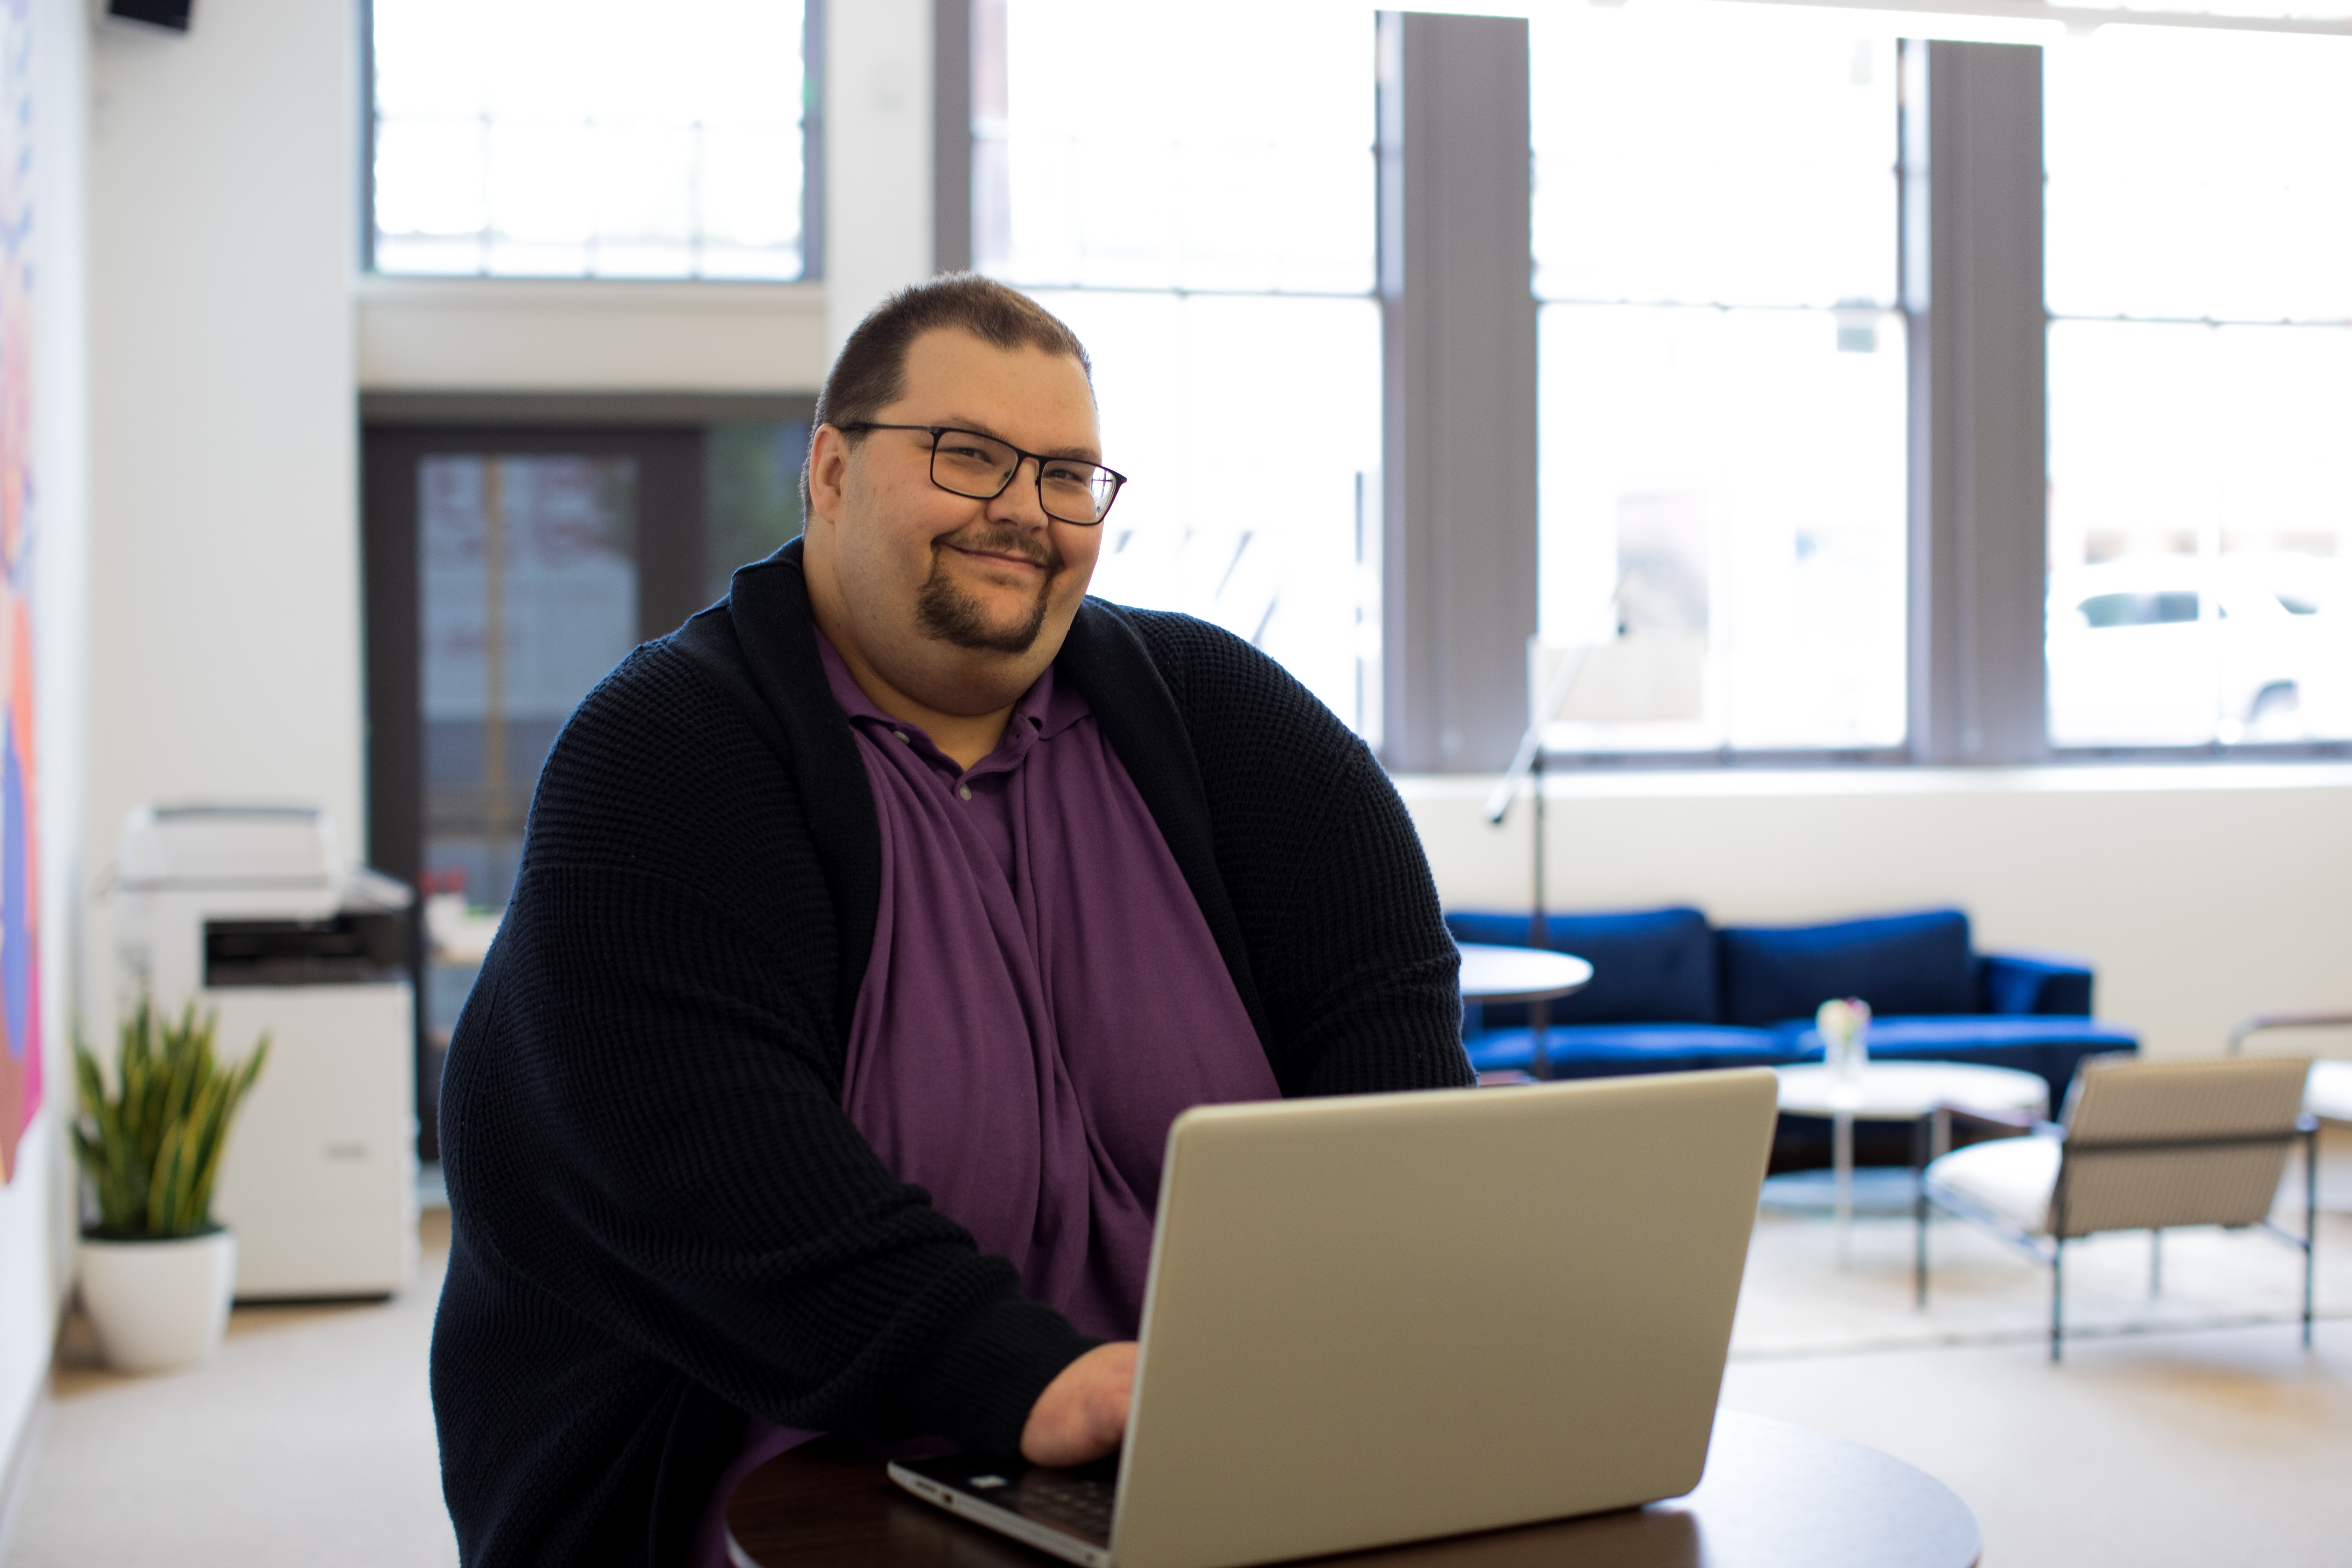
[{"x": 1383, "y": 1318}]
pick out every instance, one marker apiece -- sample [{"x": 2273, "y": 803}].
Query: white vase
[{"x": 157, "y": 1305}]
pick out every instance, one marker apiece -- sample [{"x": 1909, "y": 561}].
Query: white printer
[{"x": 250, "y": 913}]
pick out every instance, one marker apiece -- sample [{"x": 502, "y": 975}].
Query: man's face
[{"x": 939, "y": 591}]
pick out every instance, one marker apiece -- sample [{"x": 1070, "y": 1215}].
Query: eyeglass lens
[{"x": 970, "y": 464}]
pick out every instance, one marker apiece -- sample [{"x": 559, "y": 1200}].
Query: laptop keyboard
[{"x": 1078, "y": 1503}]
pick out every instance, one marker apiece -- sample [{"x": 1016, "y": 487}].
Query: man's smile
[
  {"x": 1001, "y": 559},
  {"x": 993, "y": 550}
]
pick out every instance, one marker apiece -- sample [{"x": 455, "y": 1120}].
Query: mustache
[{"x": 1037, "y": 548}]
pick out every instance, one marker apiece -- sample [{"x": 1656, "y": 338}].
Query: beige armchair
[{"x": 2144, "y": 1146}]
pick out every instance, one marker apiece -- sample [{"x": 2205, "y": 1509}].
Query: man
[{"x": 870, "y": 931}]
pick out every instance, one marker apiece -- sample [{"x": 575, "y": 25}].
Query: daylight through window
[
  {"x": 2199, "y": 280},
  {"x": 1722, "y": 398},
  {"x": 527, "y": 138},
  {"x": 1204, "y": 217}
]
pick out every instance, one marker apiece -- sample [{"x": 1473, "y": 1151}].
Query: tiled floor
[{"x": 309, "y": 1440}]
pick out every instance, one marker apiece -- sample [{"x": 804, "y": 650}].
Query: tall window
[
  {"x": 1722, "y": 399},
  {"x": 1202, "y": 212},
  {"x": 2200, "y": 278},
  {"x": 527, "y": 138}
]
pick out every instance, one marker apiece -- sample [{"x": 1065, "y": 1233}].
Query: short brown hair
[{"x": 871, "y": 371}]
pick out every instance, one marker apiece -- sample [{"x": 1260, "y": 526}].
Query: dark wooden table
[{"x": 1775, "y": 1496}]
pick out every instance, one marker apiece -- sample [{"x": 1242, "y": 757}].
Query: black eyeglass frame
[{"x": 1117, "y": 480}]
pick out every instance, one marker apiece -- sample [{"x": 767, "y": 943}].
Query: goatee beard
[{"x": 947, "y": 612}]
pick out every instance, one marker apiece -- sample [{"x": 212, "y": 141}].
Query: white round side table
[{"x": 1900, "y": 1091}]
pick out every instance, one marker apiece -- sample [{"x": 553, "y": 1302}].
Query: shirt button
[
  {"x": 902, "y": 735},
  {"x": 964, "y": 791}
]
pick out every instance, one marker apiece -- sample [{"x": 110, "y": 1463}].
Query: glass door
[{"x": 528, "y": 594}]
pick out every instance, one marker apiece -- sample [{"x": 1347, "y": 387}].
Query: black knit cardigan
[{"x": 663, "y": 1218}]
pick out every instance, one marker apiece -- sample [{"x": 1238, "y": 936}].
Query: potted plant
[{"x": 156, "y": 1272}]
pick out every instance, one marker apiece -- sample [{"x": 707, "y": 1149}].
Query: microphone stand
[{"x": 1528, "y": 762}]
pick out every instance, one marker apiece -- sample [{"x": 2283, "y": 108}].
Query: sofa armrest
[{"x": 2034, "y": 983}]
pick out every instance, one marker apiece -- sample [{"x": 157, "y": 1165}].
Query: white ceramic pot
[{"x": 158, "y": 1304}]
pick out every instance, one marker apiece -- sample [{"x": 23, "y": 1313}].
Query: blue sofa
[{"x": 1671, "y": 992}]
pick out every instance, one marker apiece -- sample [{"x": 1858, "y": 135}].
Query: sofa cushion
[
  {"x": 2014, "y": 1178},
  {"x": 1897, "y": 963},
  {"x": 1895, "y": 1034},
  {"x": 1609, "y": 1051},
  {"x": 1648, "y": 965}
]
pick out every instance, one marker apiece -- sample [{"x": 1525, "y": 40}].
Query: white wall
[
  {"x": 504, "y": 334},
  {"x": 2201, "y": 894},
  {"x": 225, "y": 628},
  {"x": 37, "y": 1209}
]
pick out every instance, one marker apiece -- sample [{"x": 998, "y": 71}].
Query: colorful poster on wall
[{"x": 20, "y": 969}]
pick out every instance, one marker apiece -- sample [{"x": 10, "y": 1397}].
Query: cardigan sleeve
[{"x": 1370, "y": 988}]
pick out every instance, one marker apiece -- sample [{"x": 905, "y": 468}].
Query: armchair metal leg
[
  {"x": 2310, "y": 1221},
  {"x": 2155, "y": 1264},
  {"x": 1919, "y": 1210},
  {"x": 2057, "y": 1294},
  {"x": 1919, "y": 1269}
]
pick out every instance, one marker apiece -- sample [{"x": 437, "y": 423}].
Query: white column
[
  {"x": 878, "y": 156},
  {"x": 1459, "y": 507},
  {"x": 1979, "y": 405}
]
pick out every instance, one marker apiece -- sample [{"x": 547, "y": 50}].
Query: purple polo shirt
[{"x": 1044, "y": 998}]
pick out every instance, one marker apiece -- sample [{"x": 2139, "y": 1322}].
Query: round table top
[
  {"x": 1491, "y": 972},
  {"x": 1774, "y": 1496},
  {"x": 2327, "y": 1093},
  {"x": 1906, "y": 1091}
]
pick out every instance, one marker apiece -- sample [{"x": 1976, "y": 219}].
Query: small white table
[
  {"x": 1901, "y": 1092},
  {"x": 1492, "y": 973}
]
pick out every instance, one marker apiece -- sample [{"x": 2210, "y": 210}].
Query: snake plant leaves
[{"x": 154, "y": 1148}]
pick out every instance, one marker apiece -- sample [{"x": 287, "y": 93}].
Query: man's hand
[{"x": 1082, "y": 1414}]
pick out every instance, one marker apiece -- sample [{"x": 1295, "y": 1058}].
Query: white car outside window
[{"x": 2190, "y": 650}]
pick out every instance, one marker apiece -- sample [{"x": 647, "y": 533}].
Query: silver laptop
[{"x": 1383, "y": 1318}]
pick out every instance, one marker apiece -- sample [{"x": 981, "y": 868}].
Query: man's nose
[{"x": 1019, "y": 501}]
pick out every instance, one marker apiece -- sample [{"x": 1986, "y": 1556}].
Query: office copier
[{"x": 251, "y": 912}]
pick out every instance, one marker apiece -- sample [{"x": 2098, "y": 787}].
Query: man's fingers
[{"x": 1082, "y": 1413}]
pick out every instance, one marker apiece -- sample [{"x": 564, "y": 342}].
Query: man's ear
[{"x": 828, "y": 464}]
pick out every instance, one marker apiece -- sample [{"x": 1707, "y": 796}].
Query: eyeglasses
[{"x": 982, "y": 468}]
